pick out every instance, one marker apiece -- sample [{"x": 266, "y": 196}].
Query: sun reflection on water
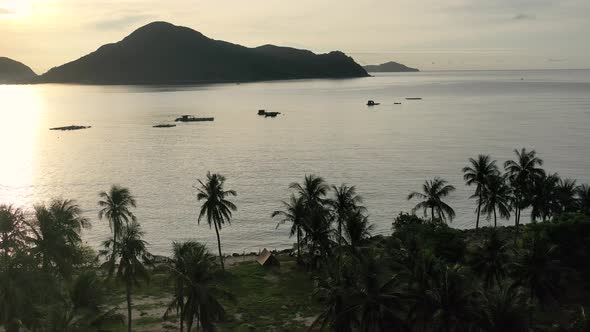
[{"x": 20, "y": 108}]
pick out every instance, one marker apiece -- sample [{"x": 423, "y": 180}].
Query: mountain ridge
[
  {"x": 12, "y": 71},
  {"x": 163, "y": 53},
  {"x": 390, "y": 66}
]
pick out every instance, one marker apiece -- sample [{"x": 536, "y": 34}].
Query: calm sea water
[{"x": 325, "y": 128}]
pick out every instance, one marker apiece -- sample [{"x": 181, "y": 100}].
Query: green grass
[{"x": 263, "y": 299}]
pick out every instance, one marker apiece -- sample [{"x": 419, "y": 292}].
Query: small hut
[{"x": 267, "y": 259}]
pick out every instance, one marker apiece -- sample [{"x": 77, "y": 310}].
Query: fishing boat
[
  {"x": 164, "y": 126},
  {"x": 413, "y": 98},
  {"x": 190, "y": 118},
  {"x": 372, "y": 103},
  {"x": 271, "y": 114}
]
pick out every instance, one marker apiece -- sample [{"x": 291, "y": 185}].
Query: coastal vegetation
[{"x": 424, "y": 276}]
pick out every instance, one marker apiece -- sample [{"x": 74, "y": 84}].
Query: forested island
[
  {"x": 425, "y": 276},
  {"x": 389, "y": 67},
  {"x": 163, "y": 53}
]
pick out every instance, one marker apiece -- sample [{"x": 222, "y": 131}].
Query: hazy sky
[{"x": 429, "y": 34}]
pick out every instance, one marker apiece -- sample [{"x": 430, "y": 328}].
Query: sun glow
[
  {"x": 14, "y": 8},
  {"x": 19, "y": 113}
]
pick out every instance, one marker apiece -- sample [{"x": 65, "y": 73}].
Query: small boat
[
  {"x": 164, "y": 126},
  {"x": 70, "y": 128},
  {"x": 372, "y": 103},
  {"x": 397, "y": 103},
  {"x": 271, "y": 114},
  {"x": 413, "y": 98},
  {"x": 261, "y": 112},
  {"x": 190, "y": 118}
]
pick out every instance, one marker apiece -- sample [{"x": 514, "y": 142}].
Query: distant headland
[
  {"x": 389, "y": 67},
  {"x": 12, "y": 71},
  {"x": 163, "y": 53}
]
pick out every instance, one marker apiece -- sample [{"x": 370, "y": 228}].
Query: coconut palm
[
  {"x": 433, "y": 191},
  {"x": 312, "y": 191},
  {"x": 357, "y": 229},
  {"x": 131, "y": 257},
  {"x": 115, "y": 205},
  {"x": 194, "y": 298},
  {"x": 503, "y": 309},
  {"x": 521, "y": 173},
  {"x": 478, "y": 174},
  {"x": 345, "y": 202},
  {"x": 56, "y": 235},
  {"x": 12, "y": 229},
  {"x": 583, "y": 198},
  {"x": 537, "y": 269},
  {"x": 566, "y": 195},
  {"x": 294, "y": 212},
  {"x": 216, "y": 206},
  {"x": 496, "y": 198},
  {"x": 490, "y": 260},
  {"x": 544, "y": 197}
]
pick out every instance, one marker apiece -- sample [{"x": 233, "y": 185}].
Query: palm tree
[
  {"x": 496, "y": 196},
  {"x": 191, "y": 269},
  {"x": 544, "y": 197},
  {"x": 503, "y": 309},
  {"x": 357, "y": 229},
  {"x": 133, "y": 256},
  {"x": 317, "y": 217},
  {"x": 566, "y": 195},
  {"x": 56, "y": 235},
  {"x": 312, "y": 191},
  {"x": 345, "y": 202},
  {"x": 583, "y": 198},
  {"x": 295, "y": 213},
  {"x": 12, "y": 229},
  {"x": 537, "y": 269},
  {"x": 115, "y": 205},
  {"x": 490, "y": 260},
  {"x": 433, "y": 191},
  {"x": 521, "y": 173},
  {"x": 478, "y": 174},
  {"x": 216, "y": 207}
]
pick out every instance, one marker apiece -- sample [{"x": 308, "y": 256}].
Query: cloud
[
  {"x": 5, "y": 11},
  {"x": 521, "y": 16},
  {"x": 122, "y": 22}
]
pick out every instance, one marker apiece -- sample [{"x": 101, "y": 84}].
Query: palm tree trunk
[
  {"x": 181, "y": 315},
  {"x": 339, "y": 232},
  {"x": 432, "y": 213},
  {"x": 299, "y": 242},
  {"x": 189, "y": 324},
  {"x": 495, "y": 218},
  {"x": 129, "y": 312},
  {"x": 478, "y": 212},
  {"x": 219, "y": 246}
]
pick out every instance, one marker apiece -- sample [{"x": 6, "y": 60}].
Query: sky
[{"x": 428, "y": 34}]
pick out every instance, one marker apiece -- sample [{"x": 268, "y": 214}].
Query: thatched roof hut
[{"x": 267, "y": 259}]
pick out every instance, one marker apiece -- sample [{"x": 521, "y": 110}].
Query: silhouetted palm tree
[
  {"x": 544, "y": 197},
  {"x": 132, "y": 256},
  {"x": 538, "y": 270},
  {"x": 478, "y": 174},
  {"x": 503, "y": 309},
  {"x": 451, "y": 298},
  {"x": 357, "y": 229},
  {"x": 583, "y": 198},
  {"x": 115, "y": 205},
  {"x": 295, "y": 213},
  {"x": 12, "y": 229},
  {"x": 312, "y": 191},
  {"x": 345, "y": 202},
  {"x": 566, "y": 195},
  {"x": 496, "y": 198},
  {"x": 56, "y": 235},
  {"x": 433, "y": 191},
  {"x": 490, "y": 260},
  {"x": 191, "y": 269},
  {"x": 216, "y": 207},
  {"x": 521, "y": 173}
]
